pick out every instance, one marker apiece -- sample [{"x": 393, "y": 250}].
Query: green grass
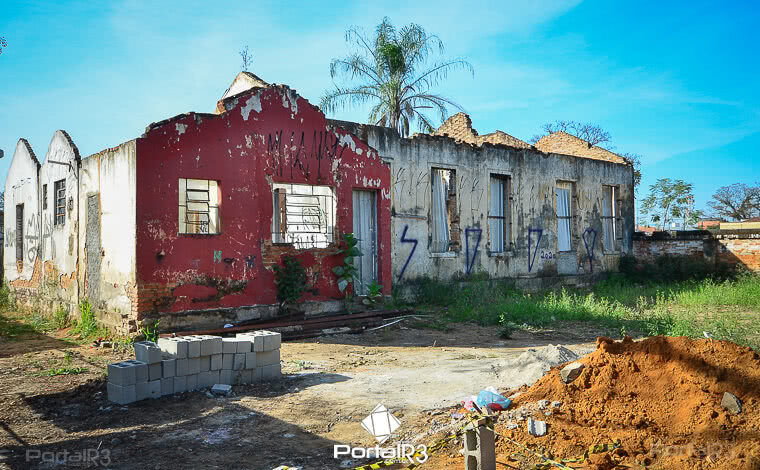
[
  {"x": 65, "y": 371},
  {"x": 728, "y": 309}
]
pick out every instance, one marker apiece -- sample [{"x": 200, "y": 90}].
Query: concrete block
[
  {"x": 204, "y": 380},
  {"x": 239, "y": 362},
  {"x": 180, "y": 384},
  {"x": 267, "y": 358},
  {"x": 479, "y": 449},
  {"x": 245, "y": 342},
  {"x": 207, "y": 345},
  {"x": 571, "y": 372},
  {"x": 229, "y": 345},
  {"x": 250, "y": 360},
  {"x": 258, "y": 342},
  {"x": 216, "y": 362},
  {"x": 271, "y": 372},
  {"x": 227, "y": 361},
  {"x": 246, "y": 376},
  {"x": 168, "y": 368},
  {"x": 141, "y": 370},
  {"x": 123, "y": 395},
  {"x": 122, "y": 374},
  {"x": 154, "y": 389},
  {"x": 216, "y": 345},
  {"x": 148, "y": 352},
  {"x": 221, "y": 390},
  {"x": 192, "y": 382},
  {"x": 173, "y": 347},
  {"x": 225, "y": 377},
  {"x": 154, "y": 371},
  {"x": 258, "y": 375},
  {"x": 204, "y": 363},
  {"x": 536, "y": 428},
  {"x": 214, "y": 376},
  {"x": 272, "y": 340},
  {"x": 181, "y": 367},
  {"x": 193, "y": 346},
  {"x": 167, "y": 386},
  {"x": 193, "y": 365},
  {"x": 237, "y": 377},
  {"x": 141, "y": 391}
]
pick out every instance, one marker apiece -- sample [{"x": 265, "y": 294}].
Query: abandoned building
[
  {"x": 557, "y": 212},
  {"x": 186, "y": 222}
]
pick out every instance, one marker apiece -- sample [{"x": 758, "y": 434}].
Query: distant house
[
  {"x": 645, "y": 229},
  {"x": 706, "y": 224}
]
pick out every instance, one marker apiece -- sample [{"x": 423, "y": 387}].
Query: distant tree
[
  {"x": 247, "y": 58},
  {"x": 595, "y": 136},
  {"x": 737, "y": 201},
  {"x": 667, "y": 200},
  {"x": 391, "y": 72},
  {"x": 3, "y": 44},
  {"x": 591, "y": 133}
]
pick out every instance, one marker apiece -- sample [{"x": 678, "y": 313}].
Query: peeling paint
[
  {"x": 252, "y": 104},
  {"x": 181, "y": 128}
]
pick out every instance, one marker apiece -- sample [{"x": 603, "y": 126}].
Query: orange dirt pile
[{"x": 660, "y": 397}]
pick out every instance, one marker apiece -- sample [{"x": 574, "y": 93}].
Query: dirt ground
[{"x": 330, "y": 385}]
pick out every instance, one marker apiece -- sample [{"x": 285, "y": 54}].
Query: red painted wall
[{"x": 240, "y": 150}]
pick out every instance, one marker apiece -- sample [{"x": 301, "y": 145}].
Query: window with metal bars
[
  {"x": 60, "y": 202},
  {"x": 303, "y": 215},
  {"x": 44, "y": 197},
  {"x": 498, "y": 214},
  {"x": 199, "y": 206}
]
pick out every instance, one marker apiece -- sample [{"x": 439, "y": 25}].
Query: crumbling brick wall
[
  {"x": 459, "y": 127},
  {"x": 731, "y": 247},
  {"x": 566, "y": 144}
]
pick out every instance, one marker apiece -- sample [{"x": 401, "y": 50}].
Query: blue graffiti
[
  {"x": 470, "y": 260},
  {"x": 590, "y": 250},
  {"x": 411, "y": 253},
  {"x": 532, "y": 258}
]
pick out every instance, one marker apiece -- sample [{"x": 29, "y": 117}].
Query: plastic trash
[{"x": 492, "y": 400}]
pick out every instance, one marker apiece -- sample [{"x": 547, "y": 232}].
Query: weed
[
  {"x": 291, "y": 281},
  {"x": 150, "y": 333},
  {"x": 617, "y": 304},
  {"x": 347, "y": 273},
  {"x": 66, "y": 371},
  {"x": 60, "y": 318},
  {"x": 86, "y": 325}
]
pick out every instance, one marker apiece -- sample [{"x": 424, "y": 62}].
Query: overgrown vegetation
[
  {"x": 86, "y": 326},
  {"x": 290, "y": 279},
  {"x": 347, "y": 273},
  {"x": 150, "y": 331},
  {"x": 694, "y": 303}
]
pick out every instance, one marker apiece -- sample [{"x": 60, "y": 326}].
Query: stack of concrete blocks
[
  {"x": 479, "y": 446},
  {"x": 187, "y": 363}
]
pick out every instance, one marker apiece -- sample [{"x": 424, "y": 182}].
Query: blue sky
[{"x": 676, "y": 82}]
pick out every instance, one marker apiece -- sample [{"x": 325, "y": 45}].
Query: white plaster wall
[
  {"x": 59, "y": 242},
  {"x": 533, "y": 178},
  {"x": 21, "y": 188},
  {"x": 111, "y": 175}
]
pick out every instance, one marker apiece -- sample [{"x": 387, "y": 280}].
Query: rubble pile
[{"x": 669, "y": 402}]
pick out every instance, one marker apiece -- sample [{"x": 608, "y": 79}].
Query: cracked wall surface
[
  {"x": 532, "y": 216},
  {"x": 264, "y": 136}
]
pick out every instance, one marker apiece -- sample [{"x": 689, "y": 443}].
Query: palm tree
[{"x": 391, "y": 72}]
